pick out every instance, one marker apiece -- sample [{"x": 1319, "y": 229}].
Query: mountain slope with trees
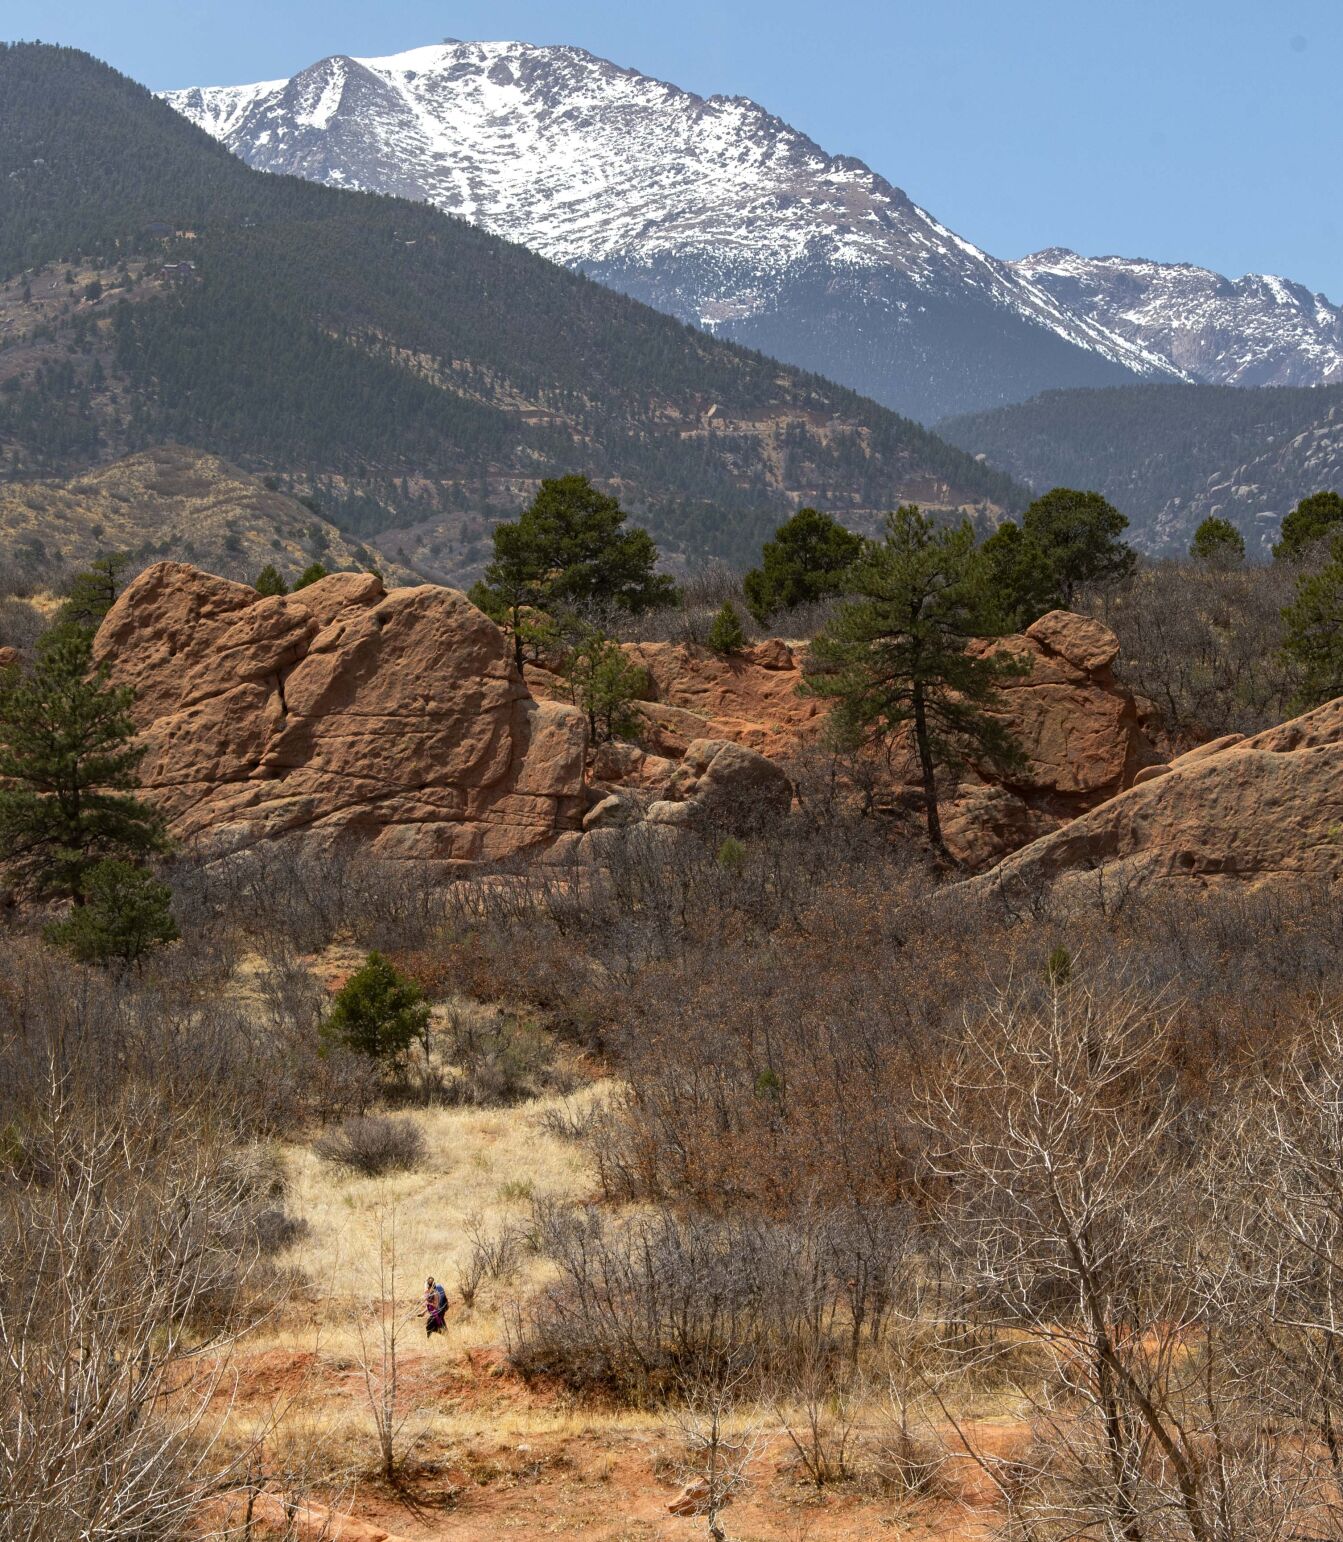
[
  {"x": 403, "y": 363},
  {"x": 1170, "y": 456}
]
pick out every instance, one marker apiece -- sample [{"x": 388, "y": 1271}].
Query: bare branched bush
[
  {"x": 642, "y": 1302},
  {"x": 127, "y": 1249},
  {"x": 500, "y": 1058},
  {"x": 372, "y": 1145},
  {"x": 1203, "y": 643},
  {"x": 713, "y": 1415},
  {"x": 496, "y": 1255}
]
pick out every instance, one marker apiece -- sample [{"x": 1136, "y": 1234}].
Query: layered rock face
[
  {"x": 345, "y": 712},
  {"x": 1236, "y": 810},
  {"x": 342, "y": 711}
]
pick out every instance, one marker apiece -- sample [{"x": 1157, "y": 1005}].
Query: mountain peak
[{"x": 711, "y": 208}]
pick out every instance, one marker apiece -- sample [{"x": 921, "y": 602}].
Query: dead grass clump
[{"x": 372, "y": 1145}]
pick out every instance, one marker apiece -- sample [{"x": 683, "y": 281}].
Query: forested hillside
[
  {"x": 1169, "y": 455},
  {"x": 397, "y": 361}
]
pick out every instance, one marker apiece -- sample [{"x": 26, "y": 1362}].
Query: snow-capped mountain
[
  {"x": 711, "y": 209},
  {"x": 1257, "y": 330}
]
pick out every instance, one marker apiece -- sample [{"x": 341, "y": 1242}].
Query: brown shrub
[{"x": 372, "y": 1145}]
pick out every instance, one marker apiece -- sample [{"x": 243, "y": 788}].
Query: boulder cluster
[{"x": 399, "y": 719}]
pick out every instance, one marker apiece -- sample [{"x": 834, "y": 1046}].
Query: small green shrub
[
  {"x": 726, "y": 635},
  {"x": 1059, "y": 967},
  {"x": 378, "y": 1012}
]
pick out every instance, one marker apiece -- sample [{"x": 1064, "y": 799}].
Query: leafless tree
[
  {"x": 1081, "y": 1211},
  {"x": 124, "y": 1260},
  {"x": 713, "y": 1416},
  {"x": 380, "y": 1347}
]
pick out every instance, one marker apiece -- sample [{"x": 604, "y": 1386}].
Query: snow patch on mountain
[
  {"x": 592, "y": 165},
  {"x": 1257, "y": 330}
]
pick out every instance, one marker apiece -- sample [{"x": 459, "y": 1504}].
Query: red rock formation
[
  {"x": 9, "y": 657},
  {"x": 340, "y": 711},
  {"x": 1236, "y": 810},
  {"x": 1082, "y": 733}
]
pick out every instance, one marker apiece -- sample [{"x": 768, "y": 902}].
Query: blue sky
[{"x": 1200, "y": 130}]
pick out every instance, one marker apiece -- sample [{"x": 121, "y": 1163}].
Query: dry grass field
[{"x": 481, "y": 1452}]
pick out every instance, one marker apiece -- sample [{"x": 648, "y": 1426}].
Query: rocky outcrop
[
  {"x": 342, "y": 711},
  {"x": 1082, "y": 734},
  {"x": 749, "y": 697},
  {"x": 1233, "y": 811}
]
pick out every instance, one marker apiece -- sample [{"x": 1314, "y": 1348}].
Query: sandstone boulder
[
  {"x": 1233, "y": 811},
  {"x": 694, "y": 1499},
  {"x": 1082, "y": 734},
  {"x": 341, "y": 711},
  {"x": 9, "y": 657}
]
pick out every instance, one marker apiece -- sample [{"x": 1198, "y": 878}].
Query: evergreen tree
[
  {"x": 1310, "y": 521},
  {"x": 309, "y": 575},
  {"x": 805, "y": 562},
  {"x": 726, "y": 635},
  {"x": 1313, "y": 638},
  {"x": 897, "y": 657},
  {"x": 1079, "y": 533},
  {"x": 1015, "y": 579},
  {"x": 269, "y": 582},
  {"x": 93, "y": 592},
  {"x": 569, "y": 551},
  {"x": 378, "y": 1012},
  {"x": 1218, "y": 542},
  {"x": 67, "y": 770},
  {"x": 126, "y": 913},
  {"x": 605, "y": 684}
]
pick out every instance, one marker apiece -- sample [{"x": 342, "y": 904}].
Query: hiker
[{"x": 435, "y": 1307}]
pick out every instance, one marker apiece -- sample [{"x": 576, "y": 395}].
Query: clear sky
[{"x": 1199, "y": 130}]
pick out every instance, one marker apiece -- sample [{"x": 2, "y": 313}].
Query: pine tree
[
  {"x": 67, "y": 770},
  {"x": 897, "y": 657},
  {"x": 94, "y": 591},
  {"x": 269, "y": 582},
  {"x": 1016, "y": 581},
  {"x": 1310, "y": 521},
  {"x": 605, "y": 684},
  {"x": 126, "y": 914},
  {"x": 569, "y": 551},
  {"x": 309, "y": 575},
  {"x": 1079, "y": 532},
  {"x": 1218, "y": 543},
  {"x": 1313, "y": 623},
  {"x": 378, "y": 1012},
  {"x": 726, "y": 635},
  {"x": 805, "y": 562}
]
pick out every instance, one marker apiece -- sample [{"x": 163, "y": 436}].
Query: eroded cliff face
[{"x": 340, "y": 711}]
